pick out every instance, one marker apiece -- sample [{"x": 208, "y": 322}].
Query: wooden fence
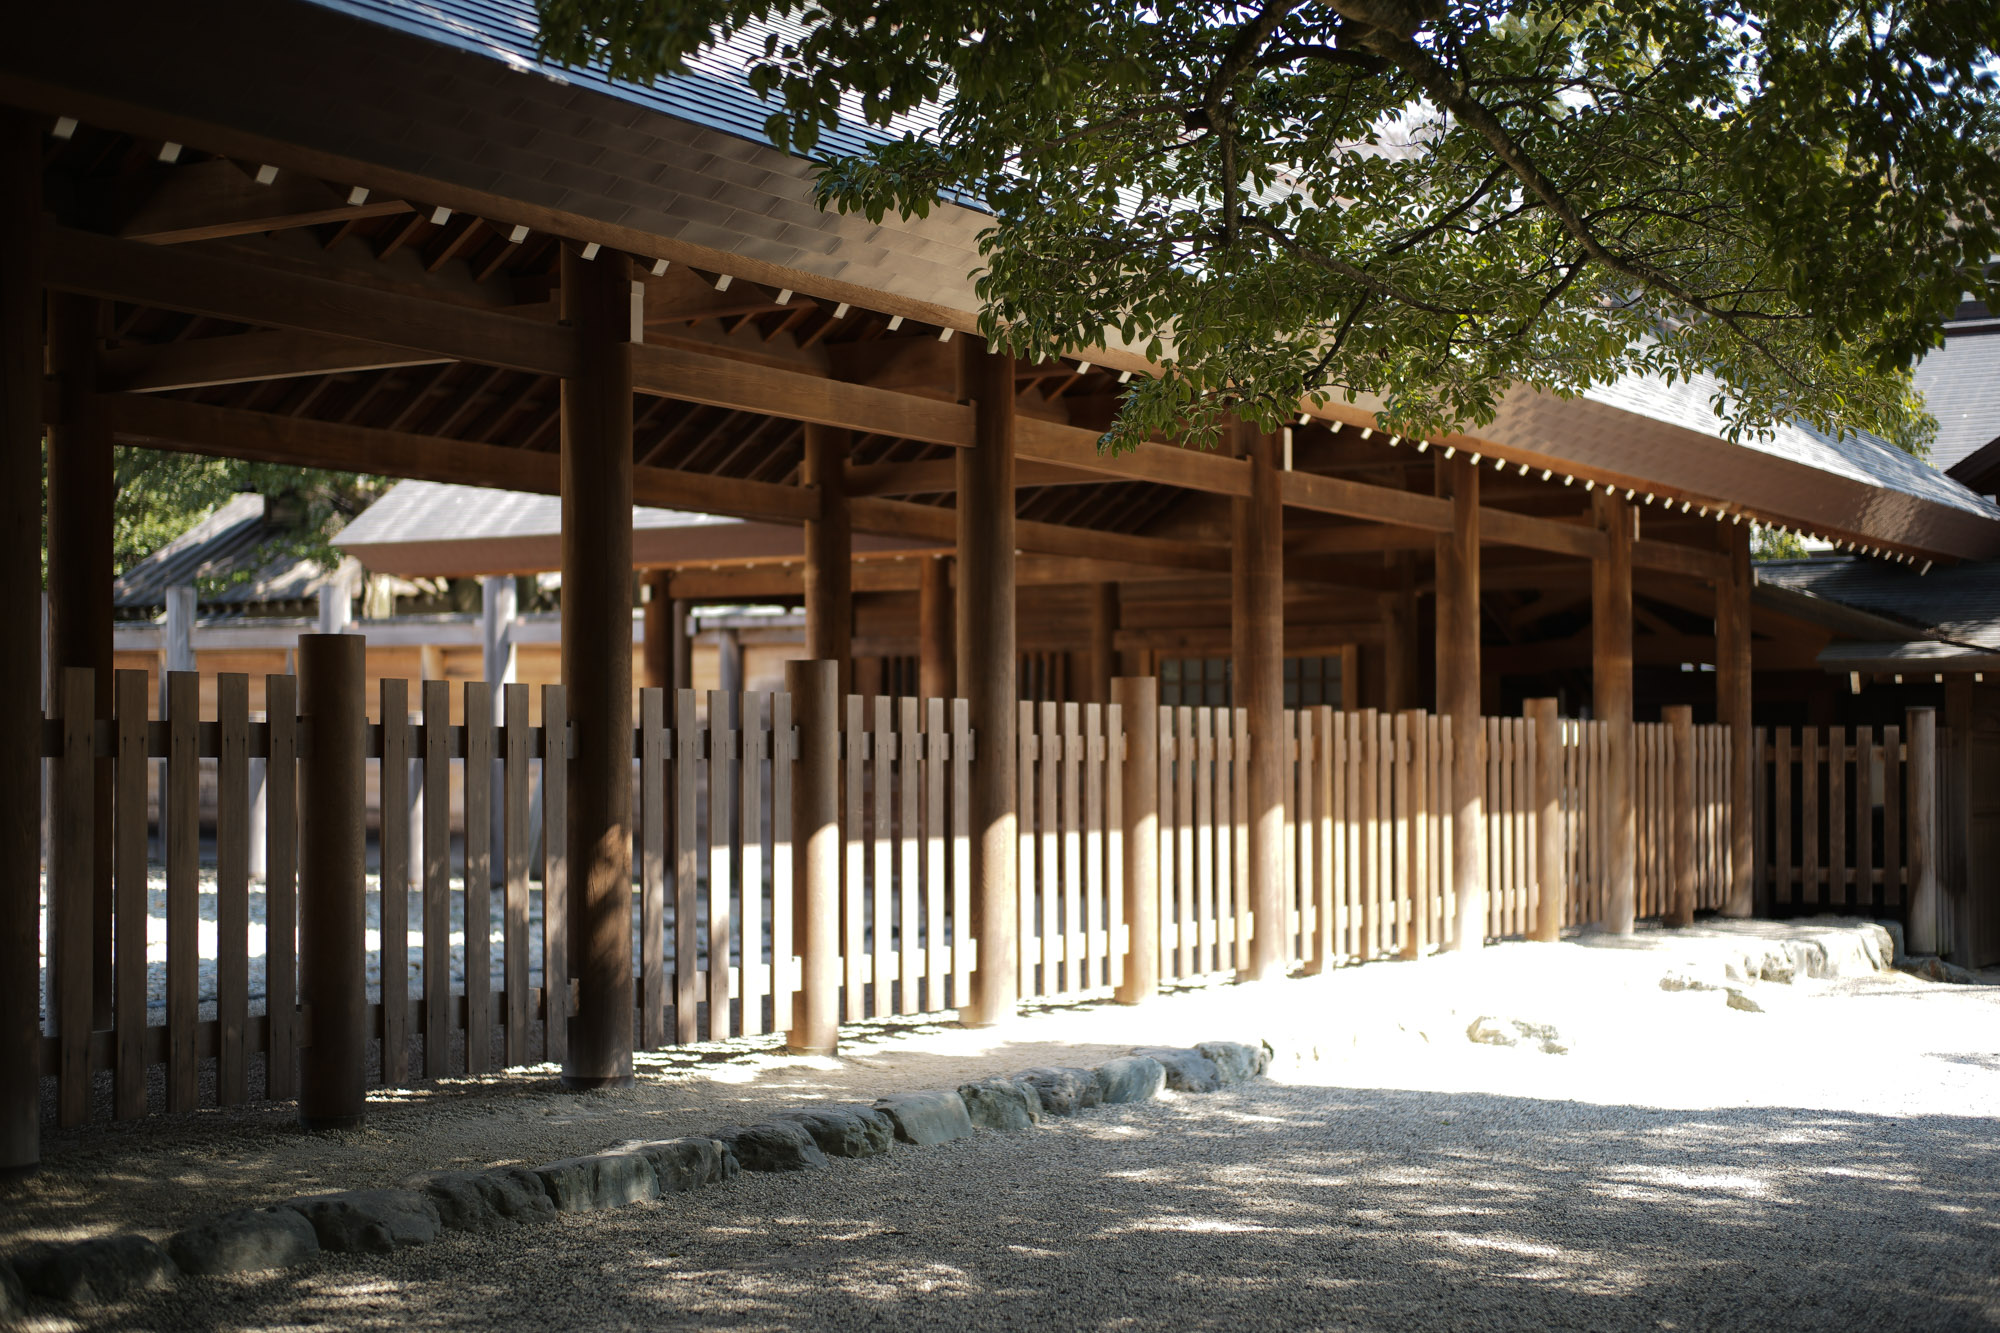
[
  {"x": 478, "y": 977},
  {"x": 1834, "y": 825}
]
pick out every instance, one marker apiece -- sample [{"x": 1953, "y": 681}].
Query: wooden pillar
[
  {"x": 657, "y": 633},
  {"x": 20, "y": 684},
  {"x": 1923, "y": 931},
  {"x": 987, "y": 675},
  {"x": 1257, "y": 629},
  {"x": 1138, "y": 700},
  {"x": 597, "y": 663},
  {"x": 814, "y": 687},
  {"x": 1103, "y": 636},
  {"x": 1680, "y": 794},
  {"x": 333, "y": 865},
  {"x": 1611, "y": 682},
  {"x": 937, "y": 678},
  {"x": 79, "y": 517},
  {"x": 829, "y": 555},
  {"x": 1732, "y": 708},
  {"x": 1552, "y": 883},
  {"x": 683, "y": 645},
  {"x": 1458, "y": 696}
]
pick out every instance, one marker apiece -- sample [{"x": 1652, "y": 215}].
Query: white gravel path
[{"x": 1830, "y": 1163}]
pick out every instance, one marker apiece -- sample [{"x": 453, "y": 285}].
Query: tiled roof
[
  {"x": 1960, "y": 603},
  {"x": 1960, "y": 382}
]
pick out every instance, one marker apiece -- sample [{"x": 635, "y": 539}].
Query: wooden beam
[
  {"x": 1353, "y": 499},
  {"x": 717, "y": 381},
  {"x": 1166, "y": 464},
  {"x": 206, "y": 200},
  {"x": 829, "y": 556},
  {"x": 1361, "y": 539},
  {"x": 939, "y": 476},
  {"x": 901, "y": 518},
  {"x": 937, "y": 669},
  {"x": 1257, "y": 627},
  {"x": 184, "y": 427},
  {"x": 1660, "y": 557},
  {"x": 1611, "y": 680},
  {"x": 250, "y": 293},
  {"x": 267, "y": 354},
  {"x": 1458, "y": 687}
]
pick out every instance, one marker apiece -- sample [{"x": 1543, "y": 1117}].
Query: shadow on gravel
[{"x": 1268, "y": 1207}]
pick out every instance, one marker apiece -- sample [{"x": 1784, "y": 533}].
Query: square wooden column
[
  {"x": 1732, "y": 709},
  {"x": 80, "y": 505},
  {"x": 937, "y": 675},
  {"x": 1458, "y": 696},
  {"x": 829, "y": 573},
  {"x": 20, "y": 669},
  {"x": 987, "y": 667},
  {"x": 1611, "y": 683},
  {"x": 597, "y": 663},
  {"x": 1257, "y": 633}
]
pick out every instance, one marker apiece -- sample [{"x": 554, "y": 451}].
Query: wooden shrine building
[{"x": 374, "y": 235}]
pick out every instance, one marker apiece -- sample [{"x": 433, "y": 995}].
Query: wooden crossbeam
[
  {"x": 900, "y": 518},
  {"x": 717, "y": 381},
  {"x": 936, "y": 476},
  {"x": 1692, "y": 562},
  {"x": 266, "y": 354},
  {"x": 207, "y": 200},
  {"x": 225, "y": 288}
]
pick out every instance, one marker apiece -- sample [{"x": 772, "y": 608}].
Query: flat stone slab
[
  {"x": 483, "y": 1200},
  {"x": 601, "y": 1180},
  {"x": 925, "y": 1118},
  {"x": 370, "y": 1221},
  {"x": 845, "y": 1131},
  {"x": 1130, "y": 1078},
  {"x": 1188, "y": 1070},
  {"x": 680, "y": 1165},
  {"x": 94, "y": 1272},
  {"x": 999, "y": 1103},
  {"x": 1063, "y": 1091},
  {"x": 248, "y": 1240},
  {"x": 779, "y": 1145}
]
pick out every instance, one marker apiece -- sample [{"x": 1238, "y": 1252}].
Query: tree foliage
[{"x": 1420, "y": 202}]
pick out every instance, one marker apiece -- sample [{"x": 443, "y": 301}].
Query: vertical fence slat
[
  {"x": 961, "y": 851},
  {"x": 232, "y": 888},
  {"x": 129, "y": 910},
  {"x": 909, "y": 871},
  {"x": 1072, "y": 849},
  {"x": 751, "y": 980},
  {"x": 653, "y": 801},
  {"x": 1864, "y": 819},
  {"x": 937, "y": 888},
  {"x": 73, "y": 844},
  {"x": 394, "y": 843},
  {"x": 281, "y": 861},
  {"x": 1231, "y": 903},
  {"x": 1895, "y": 886},
  {"x": 721, "y": 780},
  {"x": 183, "y": 834},
  {"x": 881, "y": 922},
  {"x": 555, "y": 873},
  {"x": 1050, "y": 829},
  {"x": 784, "y": 753},
  {"x": 1114, "y": 846},
  {"x": 439, "y": 1017},
  {"x": 514, "y": 845},
  {"x": 1202, "y": 889},
  {"x": 1810, "y": 888},
  {"x": 1094, "y": 964},
  {"x": 1029, "y": 950},
  {"x": 1836, "y": 818},
  {"x": 854, "y": 879},
  {"x": 687, "y": 871},
  {"x": 478, "y": 894}
]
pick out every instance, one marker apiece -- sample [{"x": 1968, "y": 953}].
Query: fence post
[
  {"x": 814, "y": 687},
  {"x": 1680, "y": 813},
  {"x": 1137, "y": 698},
  {"x": 332, "y": 867},
  {"x": 1551, "y": 890},
  {"x": 1922, "y": 934}
]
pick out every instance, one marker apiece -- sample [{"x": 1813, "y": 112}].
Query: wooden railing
[{"x": 1072, "y": 935}]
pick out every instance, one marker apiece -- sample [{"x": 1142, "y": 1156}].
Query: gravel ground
[{"x": 1829, "y": 1162}]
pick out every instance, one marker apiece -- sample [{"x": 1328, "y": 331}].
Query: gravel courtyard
[{"x": 1830, "y": 1161}]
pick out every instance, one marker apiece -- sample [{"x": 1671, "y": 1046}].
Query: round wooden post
[
  {"x": 597, "y": 663},
  {"x": 829, "y": 573},
  {"x": 1458, "y": 673},
  {"x": 1552, "y": 885},
  {"x": 1103, "y": 641},
  {"x": 1138, "y": 700},
  {"x": 987, "y": 668},
  {"x": 1680, "y": 730},
  {"x": 1611, "y": 681},
  {"x": 936, "y": 672},
  {"x": 20, "y": 669},
  {"x": 1922, "y": 931},
  {"x": 333, "y": 842},
  {"x": 815, "y": 691},
  {"x": 1732, "y": 708},
  {"x": 1257, "y": 629}
]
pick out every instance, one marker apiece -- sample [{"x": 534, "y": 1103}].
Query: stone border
[{"x": 380, "y": 1221}]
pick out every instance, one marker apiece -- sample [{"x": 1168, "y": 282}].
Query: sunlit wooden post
[
  {"x": 597, "y": 662},
  {"x": 1257, "y": 628},
  {"x": 1611, "y": 681},
  {"x": 936, "y": 672},
  {"x": 829, "y": 572},
  {"x": 1923, "y": 933},
  {"x": 1458, "y": 696},
  {"x": 1732, "y": 709},
  {"x": 333, "y": 946},
  {"x": 1138, "y": 700},
  {"x": 1680, "y": 794},
  {"x": 814, "y": 687},
  {"x": 987, "y": 668},
  {"x": 1551, "y": 883}
]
